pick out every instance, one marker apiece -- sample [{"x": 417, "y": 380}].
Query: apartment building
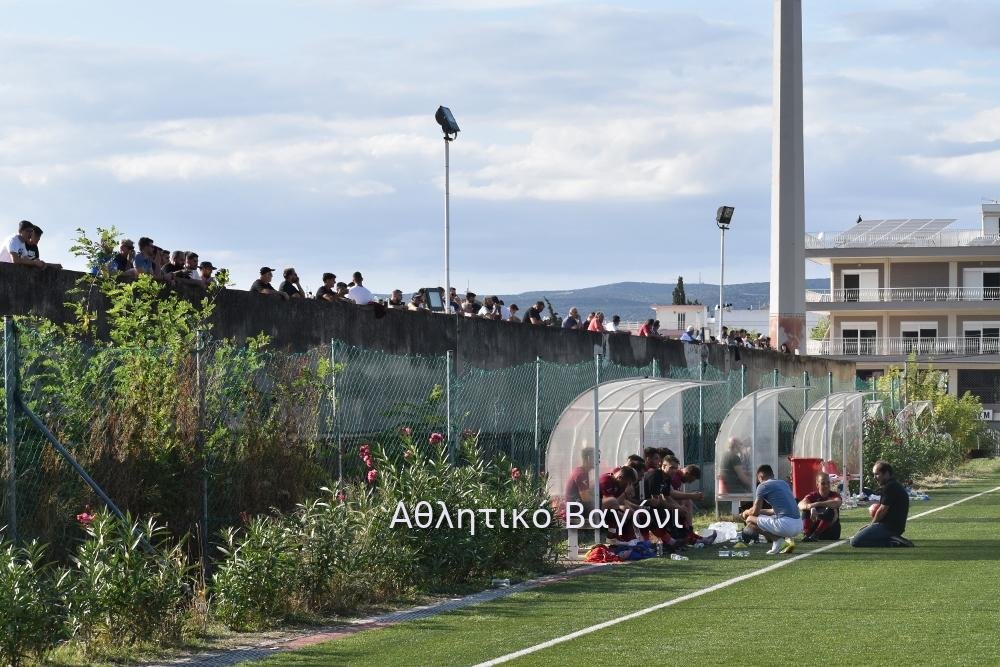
[{"x": 914, "y": 286}]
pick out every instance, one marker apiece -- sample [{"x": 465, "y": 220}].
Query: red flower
[
  {"x": 372, "y": 476},
  {"x": 408, "y": 454},
  {"x": 85, "y": 517},
  {"x": 369, "y": 462},
  {"x": 515, "y": 474},
  {"x": 469, "y": 434},
  {"x": 365, "y": 451},
  {"x": 407, "y": 431},
  {"x": 341, "y": 496},
  {"x": 435, "y": 439},
  {"x": 245, "y": 517}
]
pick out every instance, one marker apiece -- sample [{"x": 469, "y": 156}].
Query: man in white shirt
[
  {"x": 359, "y": 294},
  {"x": 15, "y": 250}
]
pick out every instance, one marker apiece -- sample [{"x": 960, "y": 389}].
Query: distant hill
[{"x": 632, "y": 301}]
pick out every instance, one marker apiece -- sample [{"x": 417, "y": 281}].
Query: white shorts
[{"x": 786, "y": 526}]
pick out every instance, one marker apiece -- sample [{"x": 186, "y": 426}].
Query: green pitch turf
[{"x": 936, "y": 604}]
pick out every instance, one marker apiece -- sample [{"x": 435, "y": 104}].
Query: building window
[
  {"x": 681, "y": 321},
  {"x": 920, "y": 337},
  {"x": 860, "y": 340},
  {"x": 984, "y": 384},
  {"x": 982, "y": 337}
]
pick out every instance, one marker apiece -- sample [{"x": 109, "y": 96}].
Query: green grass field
[{"x": 936, "y": 604}]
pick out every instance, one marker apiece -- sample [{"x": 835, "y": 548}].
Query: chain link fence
[{"x": 204, "y": 437}]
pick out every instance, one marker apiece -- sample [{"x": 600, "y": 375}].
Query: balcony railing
[
  {"x": 903, "y": 346},
  {"x": 905, "y": 294},
  {"x": 951, "y": 239}
]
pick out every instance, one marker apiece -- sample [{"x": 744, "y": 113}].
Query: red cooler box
[{"x": 804, "y": 473}]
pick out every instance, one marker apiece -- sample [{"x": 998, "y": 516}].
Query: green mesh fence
[{"x": 206, "y": 436}]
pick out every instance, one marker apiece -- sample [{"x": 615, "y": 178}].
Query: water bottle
[
  {"x": 724, "y": 553},
  {"x": 678, "y": 557},
  {"x": 501, "y": 583},
  {"x": 659, "y": 548}
]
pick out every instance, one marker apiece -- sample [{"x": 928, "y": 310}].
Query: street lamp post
[
  {"x": 723, "y": 216},
  {"x": 447, "y": 122}
]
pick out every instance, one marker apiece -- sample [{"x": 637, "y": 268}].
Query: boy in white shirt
[{"x": 15, "y": 250}]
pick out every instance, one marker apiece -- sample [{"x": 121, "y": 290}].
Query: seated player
[
  {"x": 733, "y": 470},
  {"x": 655, "y": 488},
  {"x": 889, "y": 519},
  {"x": 578, "y": 485},
  {"x": 652, "y": 457},
  {"x": 821, "y": 512},
  {"x": 780, "y": 523},
  {"x": 683, "y": 502},
  {"x": 637, "y": 462},
  {"x": 618, "y": 495}
]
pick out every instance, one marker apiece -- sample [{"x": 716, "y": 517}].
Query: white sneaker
[{"x": 775, "y": 548}]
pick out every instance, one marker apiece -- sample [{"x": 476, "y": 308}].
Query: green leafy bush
[
  {"x": 254, "y": 585},
  {"x": 32, "y": 609},
  {"x": 121, "y": 594},
  {"x": 913, "y": 451}
]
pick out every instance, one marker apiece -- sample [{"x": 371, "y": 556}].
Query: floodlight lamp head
[
  {"x": 723, "y": 216},
  {"x": 447, "y": 122}
]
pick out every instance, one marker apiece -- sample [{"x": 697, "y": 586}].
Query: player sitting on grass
[
  {"x": 782, "y": 522},
  {"x": 821, "y": 512},
  {"x": 889, "y": 516}
]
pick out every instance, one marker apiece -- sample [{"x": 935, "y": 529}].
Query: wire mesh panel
[{"x": 832, "y": 431}]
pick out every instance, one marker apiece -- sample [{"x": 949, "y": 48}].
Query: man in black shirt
[
  {"x": 889, "y": 520},
  {"x": 290, "y": 285},
  {"x": 534, "y": 314},
  {"x": 326, "y": 291},
  {"x": 263, "y": 284}
]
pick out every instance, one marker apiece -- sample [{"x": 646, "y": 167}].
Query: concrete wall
[
  {"x": 919, "y": 274},
  {"x": 839, "y": 269},
  {"x": 476, "y": 343}
]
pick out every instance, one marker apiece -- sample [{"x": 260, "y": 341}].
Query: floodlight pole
[
  {"x": 722, "y": 277},
  {"x": 447, "y": 224}
]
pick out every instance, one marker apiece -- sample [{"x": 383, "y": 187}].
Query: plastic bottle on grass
[{"x": 678, "y": 557}]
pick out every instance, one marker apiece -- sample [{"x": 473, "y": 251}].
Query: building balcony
[
  {"x": 906, "y": 295},
  {"x": 945, "y": 239},
  {"x": 902, "y": 347}
]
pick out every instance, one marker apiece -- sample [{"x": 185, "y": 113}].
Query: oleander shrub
[
  {"x": 912, "y": 450},
  {"x": 131, "y": 584},
  {"x": 32, "y": 603}
]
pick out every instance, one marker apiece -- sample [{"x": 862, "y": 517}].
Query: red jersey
[
  {"x": 676, "y": 481},
  {"x": 611, "y": 487},
  {"x": 814, "y": 497},
  {"x": 645, "y": 330},
  {"x": 577, "y": 483}
]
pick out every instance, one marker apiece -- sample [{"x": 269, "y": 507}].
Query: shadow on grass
[{"x": 925, "y": 549}]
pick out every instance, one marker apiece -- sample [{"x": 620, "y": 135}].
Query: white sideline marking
[{"x": 690, "y": 596}]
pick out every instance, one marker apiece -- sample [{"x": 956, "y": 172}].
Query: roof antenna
[{"x": 859, "y": 220}]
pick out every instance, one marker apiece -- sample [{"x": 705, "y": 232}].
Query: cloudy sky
[{"x": 597, "y": 138}]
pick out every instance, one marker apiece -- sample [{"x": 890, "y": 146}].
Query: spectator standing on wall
[
  {"x": 176, "y": 262},
  {"x": 646, "y": 330},
  {"x": 513, "y": 317},
  {"x": 614, "y": 325},
  {"x": 189, "y": 270},
  {"x": 597, "y": 324},
  {"x": 359, "y": 294},
  {"x": 326, "y": 290},
  {"x": 416, "y": 302},
  {"x": 534, "y": 314},
  {"x": 263, "y": 284},
  {"x": 690, "y": 336},
  {"x": 204, "y": 275},
  {"x": 15, "y": 250},
  {"x": 342, "y": 291},
  {"x": 36, "y": 237},
  {"x": 291, "y": 286}
]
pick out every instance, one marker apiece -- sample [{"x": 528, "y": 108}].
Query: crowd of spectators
[{"x": 183, "y": 266}]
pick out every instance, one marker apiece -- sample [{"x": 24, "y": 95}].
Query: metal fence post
[
  {"x": 538, "y": 397},
  {"x": 829, "y": 382},
  {"x": 10, "y": 390},
  {"x": 200, "y": 435},
  {"x": 743, "y": 381},
  {"x": 447, "y": 406},
  {"x": 333, "y": 415},
  {"x": 805, "y": 391},
  {"x": 775, "y": 378},
  {"x": 597, "y": 441}
]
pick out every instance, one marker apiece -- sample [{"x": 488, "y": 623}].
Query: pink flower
[
  {"x": 341, "y": 496},
  {"x": 365, "y": 451},
  {"x": 515, "y": 474},
  {"x": 372, "y": 476},
  {"x": 245, "y": 517},
  {"x": 408, "y": 454},
  {"x": 435, "y": 439},
  {"x": 85, "y": 517},
  {"x": 407, "y": 431},
  {"x": 369, "y": 462}
]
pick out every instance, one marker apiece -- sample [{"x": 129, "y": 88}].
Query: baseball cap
[
  {"x": 206, "y": 265},
  {"x": 266, "y": 269}
]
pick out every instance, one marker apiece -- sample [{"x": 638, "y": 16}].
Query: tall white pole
[
  {"x": 447, "y": 226},
  {"x": 722, "y": 279}
]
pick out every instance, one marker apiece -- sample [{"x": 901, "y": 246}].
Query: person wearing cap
[
  {"x": 290, "y": 285},
  {"x": 204, "y": 275},
  {"x": 327, "y": 291},
  {"x": 416, "y": 302},
  {"x": 359, "y": 294},
  {"x": 263, "y": 284}
]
